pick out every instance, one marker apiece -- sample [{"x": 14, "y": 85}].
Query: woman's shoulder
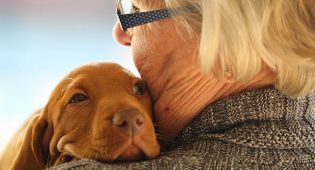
[
  {"x": 211, "y": 154},
  {"x": 258, "y": 129}
]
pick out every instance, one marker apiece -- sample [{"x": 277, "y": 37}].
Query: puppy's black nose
[{"x": 130, "y": 121}]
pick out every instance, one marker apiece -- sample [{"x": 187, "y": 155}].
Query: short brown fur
[{"x": 84, "y": 130}]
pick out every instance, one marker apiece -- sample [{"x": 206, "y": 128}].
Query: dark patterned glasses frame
[{"x": 141, "y": 18}]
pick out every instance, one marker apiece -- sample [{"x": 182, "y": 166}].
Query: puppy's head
[{"x": 99, "y": 111}]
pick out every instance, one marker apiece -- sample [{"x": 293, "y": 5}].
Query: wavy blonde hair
[{"x": 244, "y": 35}]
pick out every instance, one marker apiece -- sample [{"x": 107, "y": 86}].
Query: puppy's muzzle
[{"x": 131, "y": 121}]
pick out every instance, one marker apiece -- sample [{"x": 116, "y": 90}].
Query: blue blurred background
[{"x": 40, "y": 42}]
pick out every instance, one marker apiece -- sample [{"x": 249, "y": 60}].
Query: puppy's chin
[
  {"x": 124, "y": 153},
  {"x": 131, "y": 153}
]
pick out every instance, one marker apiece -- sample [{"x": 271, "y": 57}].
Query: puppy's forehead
[{"x": 101, "y": 69}]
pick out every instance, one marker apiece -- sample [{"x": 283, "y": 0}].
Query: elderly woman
[{"x": 231, "y": 80}]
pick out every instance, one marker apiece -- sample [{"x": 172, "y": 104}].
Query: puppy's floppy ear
[{"x": 34, "y": 150}]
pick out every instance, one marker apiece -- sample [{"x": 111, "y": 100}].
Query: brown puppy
[{"x": 99, "y": 111}]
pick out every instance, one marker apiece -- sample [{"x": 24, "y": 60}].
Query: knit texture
[{"x": 257, "y": 129}]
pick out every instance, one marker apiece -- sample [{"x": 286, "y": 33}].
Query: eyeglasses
[{"x": 129, "y": 15}]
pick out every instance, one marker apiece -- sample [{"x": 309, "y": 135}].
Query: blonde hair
[{"x": 240, "y": 36}]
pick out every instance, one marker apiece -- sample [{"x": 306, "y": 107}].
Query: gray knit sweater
[{"x": 258, "y": 129}]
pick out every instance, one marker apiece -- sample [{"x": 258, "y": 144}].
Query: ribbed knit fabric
[{"x": 257, "y": 129}]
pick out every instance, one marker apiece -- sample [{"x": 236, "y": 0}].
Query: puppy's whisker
[
  {"x": 161, "y": 137},
  {"x": 155, "y": 125},
  {"x": 69, "y": 78},
  {"x": 71, "y": 84},
  {"x": 49, "y": 160},
  {"x": 159, "y": 122},
  {"x": 157, "y": 131}
]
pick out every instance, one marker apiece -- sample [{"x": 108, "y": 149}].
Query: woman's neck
[{"x": 185, "y": 95}]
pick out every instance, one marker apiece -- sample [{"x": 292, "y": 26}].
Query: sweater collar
[{"x": 260, "y": 105}]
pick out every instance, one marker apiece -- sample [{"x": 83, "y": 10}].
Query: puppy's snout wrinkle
[{"x": 129, "y": 121}]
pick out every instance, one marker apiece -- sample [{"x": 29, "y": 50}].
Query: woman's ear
[{"x": 34, "y": 149}]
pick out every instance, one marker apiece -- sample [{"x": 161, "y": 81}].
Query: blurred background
[{"x": 40, "y": 42}]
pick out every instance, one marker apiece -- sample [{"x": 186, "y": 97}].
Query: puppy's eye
[
  {"x": 66, "y": 158},
  {"x": 79, "y": 97},
  {"x": 139, "y": 89}
]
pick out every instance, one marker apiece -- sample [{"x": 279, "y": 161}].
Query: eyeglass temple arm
[{"x": 140, "y": 18}]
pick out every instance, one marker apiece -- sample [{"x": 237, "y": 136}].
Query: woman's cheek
[
  {"x": 142, "y": 49},
  {"x": 139, "y": 53}
]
